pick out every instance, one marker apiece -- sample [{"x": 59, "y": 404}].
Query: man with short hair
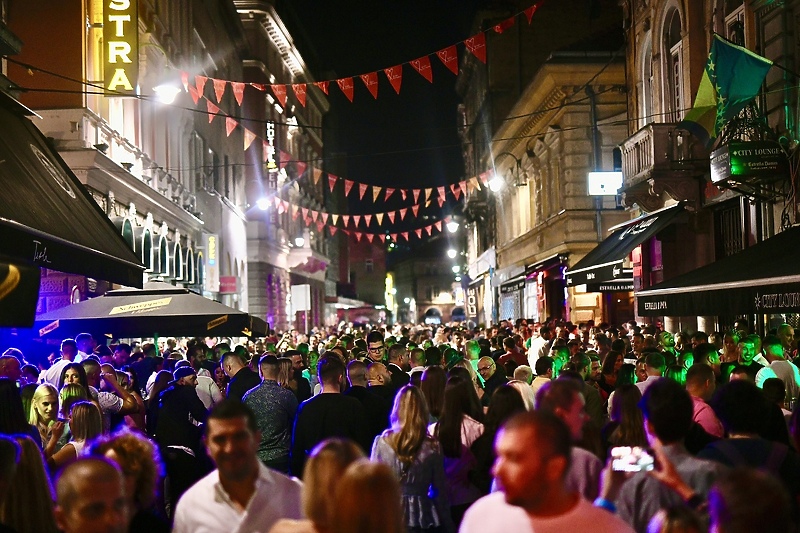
[
  {"x": 778, "y": 367},
  {"x": 53, "y": 374},
  {"x": 747, "y": 353},
  {"x": 86, "y": 345},
  {"x": 701, "y": 384},
  {"x": 785, "y": 334},
  {"x": 242, "y": 377},
  {"x": 544, "y": 373},
  {"x": 328, "y": 414},
  {"x": 398, "y": 365},
  {"x": 241, "y": 494},
  {"x": 376, "y": 407},
  {"x": 379, "y": 381},
  {"x": 562, "y": 397},
  {"x": 90, "y": 498},
  {"x": 594, "y": 403},
  {"x": 637, "y": 345},
  {"x": 10, "y": 367},
  {"x": 602, "y": 344},
  {"x": 654, "y": 369},
  {"x": 275, "y": 408},
  {"x": 533, "y": 458},
  {"x": 416, "y": 359},
  {"x": 111, "y": 397},
  {"x": 524, "y": 374},
  {"x": 512, "y": 353},
  {"x": 667, "y": 410},
  {"x": 540, "y": 346},
  {"x": 206, "y": 388},
  {"x": 376, "y": 346},
  {"x": 493, "y": 377}
]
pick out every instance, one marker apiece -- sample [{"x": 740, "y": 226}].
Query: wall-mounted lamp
[
  {"x": 520, "y": 179},
  {"x": 166, "y": 93}
]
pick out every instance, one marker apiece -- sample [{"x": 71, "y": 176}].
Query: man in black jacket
[
  {"x": 329, "y": 414},
  {"x": 242, "y": 378},
  {"x": 376, "y": 408}
]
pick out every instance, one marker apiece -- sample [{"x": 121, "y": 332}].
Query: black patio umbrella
[{"x": 160, "y": 309}]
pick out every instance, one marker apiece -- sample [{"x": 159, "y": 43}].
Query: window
[
  {"x": 674, "y": 67},
  {"x": 646, "y": 84}
]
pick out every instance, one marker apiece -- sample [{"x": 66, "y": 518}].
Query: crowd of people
[{"x": 521, "y": 426}]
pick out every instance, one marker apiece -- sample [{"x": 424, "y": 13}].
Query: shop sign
[
  {"x": 211, "y": 280},
  {"x": 121, "y": 51},
  {"x": 756, "y": 159},
  {"x": 514, "y": 286},
  {"x": 472, "y": 301},
  {"x": 228, "y": 285}
]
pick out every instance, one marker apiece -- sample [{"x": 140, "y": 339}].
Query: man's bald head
[
  {"x": 378, "y": 375},
  {"x": 10, "y": 367},
  {"x": 90, "y": 496},
  {"x": 357, "y": 373}
]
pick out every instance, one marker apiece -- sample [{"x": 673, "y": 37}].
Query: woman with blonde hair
[
  {"x": 526, "y": 391},
  {"x": 28, "y": 506},
  {"x": 321, "y": 476},
  {"x": 416, "y": 459},
  {"x": 44, "y": 416},
  {"x": 368, "y": 486},
  {"x": 69, "y": 395},
  {"x": 86, "y": 424}
]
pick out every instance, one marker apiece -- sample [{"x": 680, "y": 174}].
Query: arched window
[
  {"x": 646, "y": 83},
  {"x": 734, "y": 22},
  {"x": 200, "y": 265},
  {"x": 177, "y": 258},
  {"x": 189, "y": 268},
  {"x": 673, "y": 54},
  {"x": 163, "y": 257}
]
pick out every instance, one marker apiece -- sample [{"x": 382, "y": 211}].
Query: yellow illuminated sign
[
  {"x": 121, "y": 40},
  {"x": 140, "y": 307}
]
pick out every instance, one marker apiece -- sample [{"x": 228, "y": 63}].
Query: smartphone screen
[{"x": 631, "y": 459}]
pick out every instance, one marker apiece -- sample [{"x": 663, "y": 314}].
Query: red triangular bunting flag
[
  {"x": 320, "y": 225},
  {"x": 376, "y": 192},
  {"x": 322, "y": 86},
  {"x": 530, "y": 11},
  {"x": 404, "y": 235},
  {"x": 305, "y": 211},
  {"x": 314, "y": 215},
  {"x": 441, "y": 201},
  {"x": 415, "y": 209},
  {"x": 484, "y": 176},
  {"x": 265, "y": 147},
  {"x": 456, "y": 190},
  {"x": 301, "y": 167},
  {"x": 194, "y": 94},
  {"x": 324, "y": 217},
  {"x": 403, "y": 193},
  {"x": 295, "y": 211},
  {"x": 441, "y": 191},
  {"x": 416, "y": 195},
  {"x": 356, "y": 220},
  {"x": 260, "y": 86},
  {"x": 370, "y": 236},
  {"x": 391, "y": 216},
  {"x": 317, "y": 173},
  {"x": 230, "y": 125},
  {"x": 389, "y": 192},
  {"x": 382, "y": 237},
  {"x": 418, "y": 231},
  {"x": 346, "y": 220},
  {"x": 249, "y": 137},
  {"x": 213, "y": 110},
  {"x": 300, "y": 92},
  {"x": 358, "y": 236},
  {"x": 371, "y": 81},
  {"x": 428, "y": 192},
  {"x": 200, "y": 83},
  {"x": 429, "y": 229},
  {"x": 463, "y": 186},
  {"x": 332, "y": 181},
  {"x": 284, "y": 205},
  {"x": 238, "y": 91},
  {"x": 477, "y": 46},
  {"x": 395, "y": 76},
  {"x": 284, "y": 157},
  {"x": 449, "y": 57},
  {"x": 423, "y": 66},
  {"x": 280, "y": 93},
  {"x": 332, "y": 229},
  {"x": 393, "y": 236},
  {"x": 346, "y": 85},
  {"x": 367, "y": 220},
  {"x": 362, "y": 190},
  {"x": 403, "y": 213},
  {"x": 438, "y": 225},
  {"x": 502, "y": 26},
  {"x": 347, "y": 186},
  {"x": 219, "y": 89},
  {"x": 185, "y": 80}
]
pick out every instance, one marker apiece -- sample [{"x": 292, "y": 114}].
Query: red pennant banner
[
  {"x": 332, "y": 181},
  {"x": 440, "y": 199},
  {"x": 484, "y": 176},
  {"x": 418, "y": 231},
  {"x": 504, "y": 25},
  {"x": 332, "y": 229},
  {"x": 395, "y": 76},
  {"x": 280, "y": 93},
  {"x": 300, "y": 92},
  {"x": 219, "y": 89},
  {"x": 403, "y": 194},
  {"x": 389, "y": 192},
  {"x": 416, "y": 192},
  {"x": 346, "y": 220},
  {"x": 415, "y": 209},
  {"x": 370, "y": 236},
  {"x": 320, "y": 226},
  {"x": 441, "y": 191},
  {"x": 362, "y": 190},
  {"x": 347, "y": 186},
  {"x": 449, "y": 56},
  {"x": 301, "y": 167},
  {"x": 382, "y": 237},
  {"x": 322, "y": 86},
  {"x": 367, "y": 220},
  {"x": 238, "y": 91},
  {"x": 314, "y": 215},
  {"x": 403, "y": 213},
  {"x": 456, "y": 191},
  {"x": 390, "y": 214},
  {"x": 230, "y": 125},
  {"x": 463, "y": 186},
  {"x": 371, "y": 81},
  {"x": 477, "y": 46},
  {"x": 213, "y": 110},
  {"x": 531, "y": 10},
  {"x": 260, "y": 86},
  {"x": 295, "y": 212},
  {"x": 194, "y": 94},
  {"x": 324, "y": 217},
  {"x": 356, "y": 220},
  {"x": 429, "y": 230},
  {"x": 305, "y": 211},
  {"x": 404, "y": 235},
  {"x": 346, "y": 85},
  {"x": 285, "y": 158},
  {"x": 423, "y": 66},
  {"x": 200, "y": 83},
  {"x": 438, "y": 225},
  {"x": 358, "y": 236},
  {"x": 249, "y": 137},
  {"x": 393, "y": 236}
]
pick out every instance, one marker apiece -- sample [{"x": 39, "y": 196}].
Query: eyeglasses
[
  {"x": 375, "y": 349},
  {"x": 485, "y": 368}
]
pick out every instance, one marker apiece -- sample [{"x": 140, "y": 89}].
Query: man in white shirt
[
  {"x": 68, "y": 352},
  {"x": 533, "y": 456},
  {"x": 242, "y": 494},
  {"x": 540, "y": 346},
  {"x": 654, "y": 367},
  {"x": 778, "y": 367},
  {"x": 86, "y": 345}
]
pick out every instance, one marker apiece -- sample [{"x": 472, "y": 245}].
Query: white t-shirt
[{"x": 491, "y": 514}]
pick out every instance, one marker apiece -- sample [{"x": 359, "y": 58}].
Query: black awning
[
  {"x": 546, "y": 264},
  {"x": 47, "y": 218},
  {"x": 762, "y": 279},
  {"x": 604, "y": 263}
]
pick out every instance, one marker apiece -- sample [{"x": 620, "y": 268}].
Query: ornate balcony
[{"x": 660, "y": 161}]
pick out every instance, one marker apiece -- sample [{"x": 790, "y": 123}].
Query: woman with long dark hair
[
  {"x": 625, "y": 376},
  {"x": 417, "y": 461},
  {"x": 626, "y": 425},
  {"x": 432, "y": 387},
  {"x": 456, "y": 430},
  {"x": 608, "y": 376}
]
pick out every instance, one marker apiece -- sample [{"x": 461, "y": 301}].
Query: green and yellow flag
[{"x": 732, "y": 78}]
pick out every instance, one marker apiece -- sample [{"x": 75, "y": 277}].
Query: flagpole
[{"x": 793, "y": 73}]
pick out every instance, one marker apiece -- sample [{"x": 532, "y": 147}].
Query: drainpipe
[{"x": 598, "y": 200}]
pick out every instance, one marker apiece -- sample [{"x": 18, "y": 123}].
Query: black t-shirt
[{"x": 244, "y": 380}]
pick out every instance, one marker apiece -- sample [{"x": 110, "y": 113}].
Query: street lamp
[
  {"x": 166, "y": 93},
  {"x": 451, "y": 253},
  {"x": 497, "y": 182},
  {"x": 262, "y": 203},
  {"x": 452, "y": 226},
  {"x": 299, "y": 242}
]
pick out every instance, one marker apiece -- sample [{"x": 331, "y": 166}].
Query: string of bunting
[
  {"x": 315, "y": 174},
  {"x": 475, "y": 44}
]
